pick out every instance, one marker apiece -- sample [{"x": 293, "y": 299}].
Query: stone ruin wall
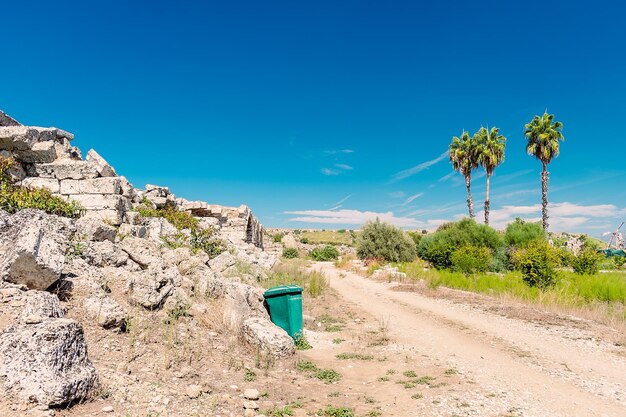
[{"x": 46, "y": 159}]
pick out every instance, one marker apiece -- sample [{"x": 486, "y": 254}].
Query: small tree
[
  {"x": 537, "y": 263},
  {"x": 385, "y": 242},
  {"x": 520, "y": 233}
]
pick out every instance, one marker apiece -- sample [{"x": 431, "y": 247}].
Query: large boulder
[
  {"x": 95, "y": 229},
  {"x": 242, "y": 301},
  {"x": 105, "y": 254},
  {"x": 32, "y": 248},
  {"x": 267, "y": 337},
  {"x": 142, "y": 251},
  {"x": 149, "y": 289},
  {"x": 46, "y": 362}
]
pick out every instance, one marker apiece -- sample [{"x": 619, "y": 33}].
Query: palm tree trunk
[
  {"x": 544, "y": 196},
  {"x": 487, "y": 199},
  {"x": 470, "y": 202}
]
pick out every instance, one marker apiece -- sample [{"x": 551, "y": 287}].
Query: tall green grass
[
  {"x": 570, "y": 290},
  {"x": 294, "y": 272}
]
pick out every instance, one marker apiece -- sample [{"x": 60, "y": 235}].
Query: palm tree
[
  {"x": 543, "y": 135},
  {"x": 462, "y": 152},
  {"x": 490, "y": 149}
]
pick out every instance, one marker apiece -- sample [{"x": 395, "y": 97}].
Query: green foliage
[
  {"x": 278, "y": 237},
  {"x": 416, "y": 236},
  {"x": 521, "y": 233},
  {"x": 14, "y": 198},
  {"x": 249, "y": 375},
  {"x": 179, "y": 310},
  {"x": 290, "y": 253},
  {"x": 302, "y": 344},
  {"x": 537, "y": 263},
  {"x": 327, "y": 253},
  {"x": 329, "y": 376},
  {"x": 438, "y": 247},
  {"x": 587, "y": 262},
  {"x": 385, "y": 242},
  {"x": 294, "y": 273},
  {"x": 204, "y": 239},
  {"x": 471, "y": 259},
  {"x": 179, "y": 219},
  {"x": 331, "y": 411}
]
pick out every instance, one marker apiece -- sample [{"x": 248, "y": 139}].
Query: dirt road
[{"x": 543, "y": 369}]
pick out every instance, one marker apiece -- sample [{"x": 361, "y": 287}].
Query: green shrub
[
  {"x": 15, "y": 198},
  {"x": 438, "y": 247},
  {"x": 278, "y": 237},
  {"x": 204, "y": 239},
  {"x": 384, "y": 242},
  {"x": 290, "y": 253},
  {"x": 471, "y": 259},
  {"x": 587, "y": 262},
  {"x": 416, "y": 236},
  {"x": 327, "y": 253},
  {"x": 179, "y": 219},
  {"x": 618, "y": 261},
  {"x": 520, "y": 233},
  {"x": 537, "y": 263}
]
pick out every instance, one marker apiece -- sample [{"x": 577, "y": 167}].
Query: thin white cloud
[
  {"x": 447, "y": 177},
  {"x": 345, "y": 167},
  {"x": 418, "y": 168},
  {"x": 396, "y": 194},
  {"x": 343, "y": 200},
  {"x": 338, "y": 151},
  {"x": 411, "y": 198},
  {"x": 351, "y": 217},
  {"x": 330, "y": 172}
]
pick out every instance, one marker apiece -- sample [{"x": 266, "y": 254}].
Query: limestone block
[
  {"x": 47, "y": 362},
  {"x": 127, "y": 188},
  {"x": 114, "y": 217},
  {"x": 103, "y": 167},
  {"x": 6, "y": 120},
  {"x": 102, "y": 202},
  {"x": 48, "y": 183},
  {"x": 149, "y": 289},
  {"x": 95, "y": 230},
  {"x": 70, "y": 187},
  {"x": 268, "y": 337},
  {"x": 41, "y": 152},
  {"x": 67, "y": 169},
  {"x": 33, "y": 247},
  {"x": 41, "y": 304}
]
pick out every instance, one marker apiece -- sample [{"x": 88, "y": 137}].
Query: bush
[
  {"x": 179, "y": 219},
  {"x": 327, "y": 253},
  {"x": 587, "y": 262},
  {"x": 203, "y": 239},
  {"x": 438, "y": 247},
  {"x": 471, "y": 259},
  {"x": 537, "y": 263},
  {"x": 278, "y": 237},
  {"x": 520, "y": 233},
  {"x": 416, "y": 236},
  {"x": 385, "y": 242},
  {"x": 290, "y": 253},
  {"x": 15, "y": 198}
]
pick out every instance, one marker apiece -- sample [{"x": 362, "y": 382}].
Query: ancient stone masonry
[{"x": 45, "y": 159}]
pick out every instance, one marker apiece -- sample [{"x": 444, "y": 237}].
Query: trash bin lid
[{"x": 283, "y": 289}]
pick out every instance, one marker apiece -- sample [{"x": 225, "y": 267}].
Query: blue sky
[{"x": 327, "y": 113}]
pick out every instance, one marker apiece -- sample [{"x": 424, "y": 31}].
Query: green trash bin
[{"x": 284, "y": 304}]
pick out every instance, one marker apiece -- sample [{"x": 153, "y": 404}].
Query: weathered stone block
[
  {"x": 108, "y": 313},
  {"x": 6, "y": 120},
  {"x": 41, "y": 152},
  {"x": 102, "y": 166},
  {"x": 95, "y": 229},
  {"x": 110, "y": 185},
  {"x": 268, "y": 337},
  {"x": 36, "y": 182},
  {"x": 33, "y": 247},
  {"x": 102, "y": 202},
  {"x": 114, "y": 217},
  {"x": 47, "y": 362},
  {"x": 67, "y": 169}
]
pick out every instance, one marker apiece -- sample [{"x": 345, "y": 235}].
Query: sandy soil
[{"x": 506, "y": 365}]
